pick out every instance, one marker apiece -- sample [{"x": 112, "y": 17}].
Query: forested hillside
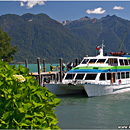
[
  {"x": 111, "y": 29},
  {"x": 41, "y": 36}
]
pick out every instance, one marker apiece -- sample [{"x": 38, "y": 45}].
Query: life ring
[{"x": 119, "y": 81}]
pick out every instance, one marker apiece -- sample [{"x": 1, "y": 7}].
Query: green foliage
[
  {"x": 6, "y": 50},
  {"x": 25, "y": 105}
]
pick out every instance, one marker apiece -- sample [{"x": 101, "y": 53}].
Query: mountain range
[{"x": 41, "y": 36}]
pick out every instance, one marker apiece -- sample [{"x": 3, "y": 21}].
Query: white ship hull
[
  {"x": 64, "y": 89},
  {"x": 98, "y": 89}
]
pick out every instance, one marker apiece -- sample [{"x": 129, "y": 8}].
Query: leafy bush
[{"x": 25, "y": 105}]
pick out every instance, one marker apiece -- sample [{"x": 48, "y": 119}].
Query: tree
[{"x": 6, "y": 49}]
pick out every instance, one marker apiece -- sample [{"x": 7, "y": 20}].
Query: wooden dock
[
  {"x": 56, "y": 76},
  {"x": 47, "y": 77}
]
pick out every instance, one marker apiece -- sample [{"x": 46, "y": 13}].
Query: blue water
[
  {"x": 104, "y": 112},
  {"x": 34, "y": 67}
]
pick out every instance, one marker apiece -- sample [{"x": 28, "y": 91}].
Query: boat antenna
[
  {"x": 102, "y": 44},
  {"x": 122, "y": 41}
]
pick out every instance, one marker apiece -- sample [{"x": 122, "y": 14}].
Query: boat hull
[
  {"x": 64, "y": 89},
  {"x": 99, "y": 90}
]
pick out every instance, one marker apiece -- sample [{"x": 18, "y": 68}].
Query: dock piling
[
  {"x": 76, "y": 61},
  {"x": 44, "y": 68},
  {"x": 61, "y": 72},
  {"x": 79, "y": 61},
  {"x": 39, "y": 73},
  {"x": 26, "y": 63}
]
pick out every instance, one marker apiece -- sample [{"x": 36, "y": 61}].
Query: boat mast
[{"x": 101, "y": 49}]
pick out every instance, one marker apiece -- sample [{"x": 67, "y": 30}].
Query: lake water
[
  {"x": 34, "y": 68},
  {"x": 104, "y": 112},
  {"x": 80, "y": 112}
]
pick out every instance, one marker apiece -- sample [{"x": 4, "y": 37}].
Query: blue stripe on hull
[{"x": 96, "y": 71}]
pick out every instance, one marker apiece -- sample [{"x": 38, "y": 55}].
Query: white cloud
[
  {"x": 118, "y": 8},
  {"x": 31, "y": 3},
  {"x": 21, "y": 4},
  {"x": 96, "y": 11}
]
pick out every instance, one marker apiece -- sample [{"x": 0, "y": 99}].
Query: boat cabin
[
  {"x": 110, "y": 61},
  {"x": 101, "y": 70}
]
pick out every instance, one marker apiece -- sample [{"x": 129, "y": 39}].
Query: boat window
[
  {"x": 102, "y": 76},
  {"x": 118, "y": 75},
  {"x": 91, "y": 77},
  {"x": 85, "y": 61},
  {"x": 122, "y": 75},
  {"x": 101, "y": 61},
  {"x": 108, "y": 76},
  {"x": 80, "y": 76},
  {"x": 127, "y": 75},
  {"x": 126, "y": 61},
  {"x": 121, "y": 61},
  {"x": 115, "y": 61},
  {"x": 69, "y": 76},
  {"x": 92, "y": 61},
  {"x": 129, "y": 61},
  {"x": 112, "y": 61}
]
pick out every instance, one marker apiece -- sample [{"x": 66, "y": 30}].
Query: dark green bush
[{"x": 24, "y": 104}]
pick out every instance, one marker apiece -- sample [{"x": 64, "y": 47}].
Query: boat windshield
[
  {"x": 91, "y": 77},
  {"x": 79, "y": 76},
  {"x": 85, "y": 61},
  {"x": 101, "y": 61},
  {"x": 69, "y": 76},
  {"x": 92, "y": 61}
]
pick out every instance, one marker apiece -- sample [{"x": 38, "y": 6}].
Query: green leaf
[
  {"x": 56, "y": 100},
  {"x": 21, "y": 109},
  {"x": 37, "y": 114},
  {"x": 23, "y": 124},
  {"x": 27, "y": 106},
  {"x": 6, "y": 115}
]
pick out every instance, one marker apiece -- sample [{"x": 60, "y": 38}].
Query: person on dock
[
  {"x": 57, "y": 67},
  {"x": 63, "y": 67},
  {"x": 69, "y": 66},
  {"x": 51, "y": 67}
]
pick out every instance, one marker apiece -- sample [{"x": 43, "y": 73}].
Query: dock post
[
  {"x": 61, "y": 72},
  {"x": 76, "y": 61},
  {"x": 44, "y": 68},
  {"x": 39, "y": 73},
  {"x": 79, "y": 61},
  {"x": 26, "y": 63}
]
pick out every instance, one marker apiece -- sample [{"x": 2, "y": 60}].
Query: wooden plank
[{"x": 42, "y": 73}]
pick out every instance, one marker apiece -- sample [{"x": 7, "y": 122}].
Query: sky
[{"x": 67, "y": 10}]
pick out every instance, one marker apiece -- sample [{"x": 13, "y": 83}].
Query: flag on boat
[{"x": 98, "y": 47}]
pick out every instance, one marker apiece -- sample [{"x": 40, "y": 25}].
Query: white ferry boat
[{"x": 101, "y": 75}]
